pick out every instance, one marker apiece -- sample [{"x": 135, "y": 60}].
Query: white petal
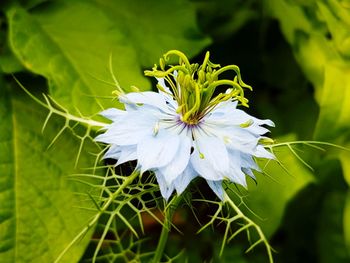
[
  {"x": 148, "y": 98},
  {"x": 249, "y": 172},
  {"x": 265, "y": 122},
  {"x": 245, "y": 145},
  {"x": 230, "y": 134},
  {"x": 213, "y": 151},
  {"x": 133, "y": 128},
  {"x": 129, "y": 107},
  {"x": 184, "y": 179},
  {"x": 256, "y": 129},
  {"x": 167, "y": 94},
  {"x": 216, "y": 186},
  {"x": 158, "y": 150},
  {"x": 247, "y": 161},
  {"x": 227, "y": 115},
  {"x": 165, "y": 190},
  {"x": 204, "y": 168},
  {"x": 239, "y": 117},
  {"x": 236, "y": 175},
  {"x": 225, "y": 106},
  {"x": 113, "y": 152},
  {"x": 113, "y": 114},
  {"x": 263, "y": 153},
  {"x": 180, "y": 161},
  {"x": 161, "y": 82},
  {"x": 128, "y": 153}
]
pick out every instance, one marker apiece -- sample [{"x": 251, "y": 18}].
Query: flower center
[
  {"x": 190, "y": 122},
  {"x": 196, "y": 87}
]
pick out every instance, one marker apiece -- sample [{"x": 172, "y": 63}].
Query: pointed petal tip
[
  {"x": 111, "y": 113},
  {"x": 99, "y": 138},
  {"x": 165, "y": 190},
  {"x": 217, "y": 188},
  {"x": 270, "y": 123}
]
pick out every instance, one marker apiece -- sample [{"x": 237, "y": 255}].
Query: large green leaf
[
  {"x": 319, "y": 33},
  {"x": 321, "y": 45},
  {"x": 334, "y": 118},
  {"x": 345, "y": 160},
  {"x": 331, "y": 229},
  {"x": 8, "y": 62},
  {"x": 346, "y": 221},
  {"x": 158, "y": 28},
  {"x": 69, "y": 42},
  {"x": 37, "y": 215}
]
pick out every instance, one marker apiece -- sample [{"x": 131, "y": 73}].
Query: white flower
[
  {"x": 219, "y": 145},
  {"x": 217, "y": 148}
]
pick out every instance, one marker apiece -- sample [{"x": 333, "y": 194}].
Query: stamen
[
  {"x": 195, "y": 84},
  {"x": 247, "y": 123},
  {"x": 156, "y": 129},
  {"x": 227, "y": 140},
  {"x": 266, "y": 141}
]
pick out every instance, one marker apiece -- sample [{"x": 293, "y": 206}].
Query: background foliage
[{"x": 295, "y": 54}]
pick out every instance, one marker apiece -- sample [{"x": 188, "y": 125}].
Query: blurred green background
[{"x": 295, "y": 54}]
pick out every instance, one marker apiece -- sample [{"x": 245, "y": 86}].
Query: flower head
[{"x": 188, "y": 128}]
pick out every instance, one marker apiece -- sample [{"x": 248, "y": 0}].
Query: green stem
[
  {"x": 251, "y": 223},
  {"x": 64, "y": 114},
  {"x": 169, "y": 212}
]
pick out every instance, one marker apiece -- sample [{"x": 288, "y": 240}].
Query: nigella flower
[{"x": 184, "y": 130}]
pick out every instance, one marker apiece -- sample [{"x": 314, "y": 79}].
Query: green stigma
[{"x": 194, "y": 85}]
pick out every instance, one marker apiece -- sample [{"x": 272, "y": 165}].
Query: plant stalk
[{"x": 169, "y": 213}]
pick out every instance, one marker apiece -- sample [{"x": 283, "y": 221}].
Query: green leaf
[
  {"x": 319, "y": 34},
  {"x": 269, "y": 197},
  {"x": 306, "y": 35},
  {"x": 38, "y": 217},
  {"x": 164, "y": 26},
  {"x": 346, "y": 221},
  {"x": 345, "y": 161},
  {"x": 70, "y": 44},
  {"x": 334, "y": 118},
  {"x": 9, "y": 64},
  {"x": 331, "y": 232},
  {"x": 337, "y": 17},
  {"x": 321, "y": 44},
  {"x": 236, "y": 14}
]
